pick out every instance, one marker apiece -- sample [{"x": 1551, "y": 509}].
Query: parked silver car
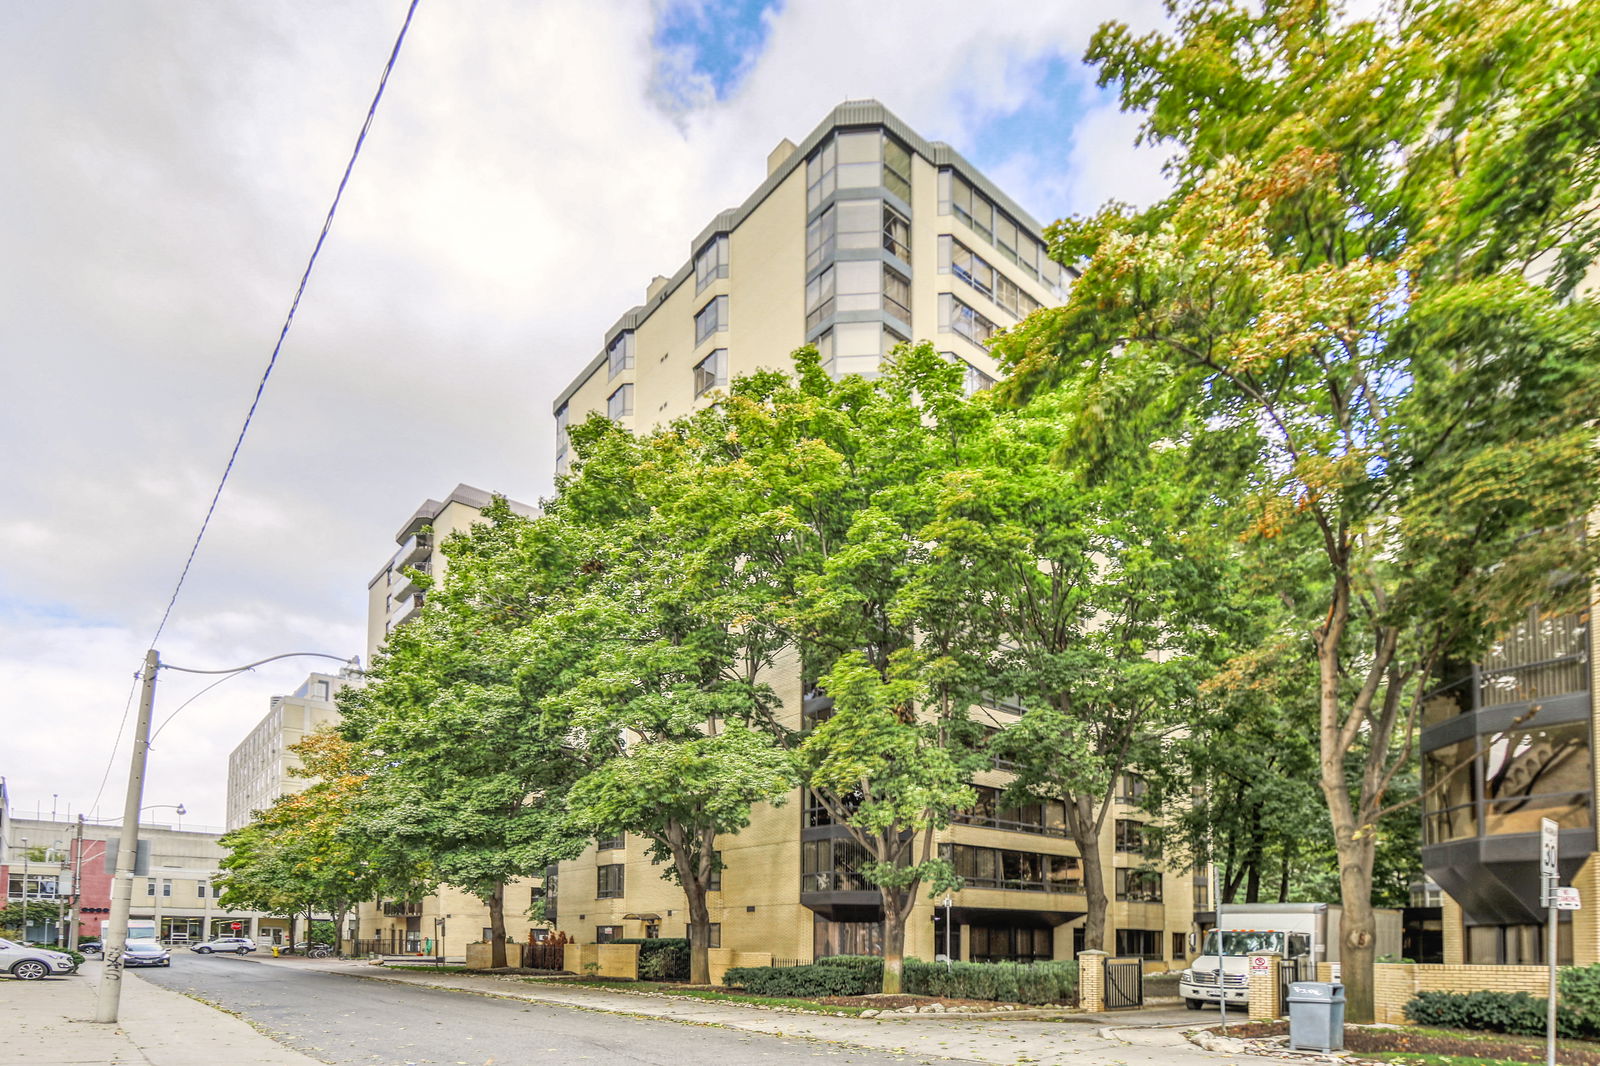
[
  {"x": 239, "y": 944},
  {"x": 30, "y": 964},
  {"x": 143, "y": 952}
]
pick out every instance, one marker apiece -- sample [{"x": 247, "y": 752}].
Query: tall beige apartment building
[
  {"x": 393, "y": 595},
  {"x": 258, "y": 769},
  {"x": 861, "y": 237},
  {"x": 445, "y": 922}
]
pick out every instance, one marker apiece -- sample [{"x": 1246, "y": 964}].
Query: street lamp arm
[{"x": 259, "y": 662}]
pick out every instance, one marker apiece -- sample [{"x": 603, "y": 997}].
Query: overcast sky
[{"x": 532, "y": 165}]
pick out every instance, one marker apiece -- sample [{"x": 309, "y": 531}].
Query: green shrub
[
  {"x": 1516, "y": 1013},
  {"x": 1037, "y": 983},
  {"x": 662, "y": 958},
  {"x": 806, "y": 982},
  {"x": 868, "y": 967},
  {"x": 1579, "y": 992}
]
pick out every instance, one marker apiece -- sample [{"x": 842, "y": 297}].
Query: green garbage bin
[{"x": 1316, "y": 1016}]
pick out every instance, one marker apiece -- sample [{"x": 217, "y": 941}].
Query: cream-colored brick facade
[
  {"x": 258, "y": 769},
  {"x": 973, "y": 259},
  {"x": 766, "y": 276},
  {"x": 392, "y": 596}
]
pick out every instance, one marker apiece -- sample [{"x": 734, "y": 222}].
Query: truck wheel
[{"x": 1194, "y": 1004}]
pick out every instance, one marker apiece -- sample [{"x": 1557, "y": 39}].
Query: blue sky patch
[{"x": 708, "y": 45}]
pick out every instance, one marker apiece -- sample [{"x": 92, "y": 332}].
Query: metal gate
[{"x": 1124, "y": 983}]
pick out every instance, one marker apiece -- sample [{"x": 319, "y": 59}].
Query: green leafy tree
[
  {"x": 1362, "y": 294},
  {"x": 836, "y": 483},
  {"x": 671, "y": 699},
  {"x": 1102, "y": 588},
  {"x": 466, "y": 767},
  {"x": 307, "y": 852},
  {"x": 17, "y": 917}
]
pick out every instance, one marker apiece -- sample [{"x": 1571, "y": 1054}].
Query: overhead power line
[{"x": 272, "y": 361}]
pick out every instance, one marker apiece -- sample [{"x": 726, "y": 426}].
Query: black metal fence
[{"x": 1124, "y": 983}]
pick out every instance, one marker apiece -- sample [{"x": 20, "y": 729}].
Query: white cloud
[{"x": 170, "y": 167}]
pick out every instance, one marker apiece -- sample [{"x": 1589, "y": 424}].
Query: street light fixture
[{"x": 116, "y": 933}]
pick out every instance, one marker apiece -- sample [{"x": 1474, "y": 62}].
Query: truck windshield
[{"x": 1243, "y": 942}]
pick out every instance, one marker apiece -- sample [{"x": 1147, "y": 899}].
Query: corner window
[
  {"x": 608, "y": 881},
  {"x": 711, "y": 318},
  {"x": 856, "y": 348},
  {"x": 561, "y": 431},
  {"x": 619, "y": 353},
  {"x": 620, "y": 403},
  {"x": 711, "y": 372},
  {"x": 711, "y": 262},
  {"x": 858, "y": 159}
]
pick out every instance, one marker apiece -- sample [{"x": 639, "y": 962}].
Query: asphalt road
[{"x": 346, "y": 1020}]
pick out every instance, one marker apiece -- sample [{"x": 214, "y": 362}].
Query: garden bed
[{"x": 1433, "y": 1047}]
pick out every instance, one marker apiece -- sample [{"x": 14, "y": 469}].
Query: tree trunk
[
  {"x": 894, "y": 947},
  {"x": 293, "y": 920},
  {"x": 1081, "y": 822},
  {"x": 497, "y": 926},
  {"x": 1283, "y": 880},
  {"x": 1356, "y": 852},
  {"x": 699, "y": 933}
]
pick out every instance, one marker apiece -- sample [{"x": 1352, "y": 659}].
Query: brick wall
[{"x": 1394, "y": 984}]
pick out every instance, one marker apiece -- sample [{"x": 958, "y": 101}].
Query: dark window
[
  {"x": 607, "y": 934},
  {"x": 833, "y": 866},
  {"x": 612, "y": 843},
  {"x": 1133, "y": 790},
  {"x": 711, "y": 372},
  {"x": 1145, "y": 943},
  {"x": 1180, "y": 946},
  {"x": 1016, "y": 870},
  {"x": 1046, "y": 817},
  {"x": 619, "y": 353},
  {"x": 715, "y": 884},
  {"x": 1009, "y": 944},
  {"x": 711, "y": 318},
  {"x": 712, "y": 262},
  {"x": 1139, "y": 886},
  {"x": 620, "y": 403},
  {"x": 609, "y": 881},
  {"x": 1130, "y": 836}
]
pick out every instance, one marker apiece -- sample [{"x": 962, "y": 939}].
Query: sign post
[
  {"x": 1549, "y": 875},
  {"x": 948, "y": 929}
]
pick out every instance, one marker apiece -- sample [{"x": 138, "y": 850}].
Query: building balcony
[
  {"x": 414, "y": 549},
  {"x": 404, "y": 609},
  {"x": 405, "y": 581}
]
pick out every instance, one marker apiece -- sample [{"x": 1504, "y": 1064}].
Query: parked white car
[
  {"x": 143, "y": 952},
  {"x": 31, "y": 964},
  {"x": 239, "y": 945}
]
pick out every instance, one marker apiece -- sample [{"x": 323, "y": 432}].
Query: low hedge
[
  {"x": 1036, "y": 983},
  {"x": 1516, "y": 1013},
  {"x": 803, "y": 982},
  {"x": 860, "y": 975},
  {"x": 662, "y": 958}
]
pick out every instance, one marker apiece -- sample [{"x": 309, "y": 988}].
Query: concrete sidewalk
[
  {"x": 48, "y": 1023},
  {"x": 996, "y": 1040}
]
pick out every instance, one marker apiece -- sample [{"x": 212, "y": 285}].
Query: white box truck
[{"x": 1303, "y": 933}]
